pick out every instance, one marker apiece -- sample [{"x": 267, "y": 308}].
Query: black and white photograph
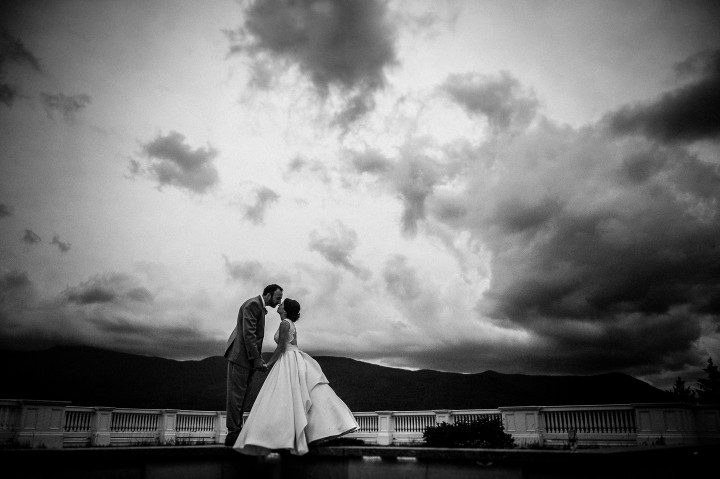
[{"x": 354, "y": 222}]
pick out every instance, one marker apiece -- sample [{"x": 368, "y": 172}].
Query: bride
[{"x": 296, "y": 406}]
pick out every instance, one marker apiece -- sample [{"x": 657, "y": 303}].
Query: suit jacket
[{"x": 245, "y": 342}]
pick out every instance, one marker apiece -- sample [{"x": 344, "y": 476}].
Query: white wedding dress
[{"x": 296, "y": 406}]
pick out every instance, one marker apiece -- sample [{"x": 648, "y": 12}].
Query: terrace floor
[{"x": 346, "y": 462}]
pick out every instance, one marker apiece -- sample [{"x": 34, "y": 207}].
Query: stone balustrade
[{"x": 57, "y": 424}]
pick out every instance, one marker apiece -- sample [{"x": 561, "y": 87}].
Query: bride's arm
[{"x": 282, "y": 343}]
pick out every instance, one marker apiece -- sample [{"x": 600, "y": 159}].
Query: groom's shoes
[{"x": 231, "y": 438}]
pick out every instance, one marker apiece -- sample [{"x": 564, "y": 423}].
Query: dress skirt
[{"x": 295, "y": 407}]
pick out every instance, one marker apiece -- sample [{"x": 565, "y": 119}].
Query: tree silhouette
[
  {"x": 683, "y": 393},
  {"x": 708, "y": 390}
]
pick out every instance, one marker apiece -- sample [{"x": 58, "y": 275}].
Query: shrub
[{"x": 484, "y": 432}]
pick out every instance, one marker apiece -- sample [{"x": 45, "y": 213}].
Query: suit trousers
[{"x": 238, "y": 388}]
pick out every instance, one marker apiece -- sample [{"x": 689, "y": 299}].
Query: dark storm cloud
[
  {"x": 316, "y": 169},
  {"x": 689, "y": 113},
  {"x": 16, "y": 293},
  {"x": 501, "y": 99},
  {"x": 603, "y": 252},
  {"x": 183, "y": 341},
  {"x": 347, "y": 45},
  {"x": 355, "y": 108},
  {"x": 64, "y": 106},
  {"x": 63, "y": 246},
  {"x": 30, "y": 237},
  {"x": 254, "y": 273},
  {"x": 92, "y": 295},
  {"x": 5, "y": 211},
  {"x": 12, "y": 50},
  {"x": 413, "y": 176},
  {"x": 110, "y": 311},
  {"x": 337, "y": 247},
  {"x": 8, "y": 94},
  {"x": 13, "y": 280},
  {"x": 370, "y": 161},
  {"x": 13, "y": 53},
  {"x": 401, "y": 279},
  {"x": 172, "y": 162},
  {"x": 648, "y": 256},
  {"x": 606, "y": 253},
  {"x": 248, "y": 271},
  {"x": 636, "y": 349},
  {"x": 116, "y": 333},
  {"x": 264, "y": 197},
  {"x": 109, "y": 288}
]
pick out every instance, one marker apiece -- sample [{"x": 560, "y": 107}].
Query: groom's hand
[{"x": 259, "y": 365}]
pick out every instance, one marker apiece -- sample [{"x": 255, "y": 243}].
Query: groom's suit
[
  {"x": 245, "y": 342},
  {"x": 243, "y": 347}
]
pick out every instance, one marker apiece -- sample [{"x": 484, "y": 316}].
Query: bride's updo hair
[{"x": 292, "y": 308}]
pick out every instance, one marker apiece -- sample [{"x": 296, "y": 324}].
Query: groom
[{"x": 243, "y": 353}]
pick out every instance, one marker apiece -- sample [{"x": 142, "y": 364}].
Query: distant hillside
[{"x": 95, "y": 377}]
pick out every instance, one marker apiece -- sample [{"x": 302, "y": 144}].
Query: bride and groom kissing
[{"x": 296, "y": 407}]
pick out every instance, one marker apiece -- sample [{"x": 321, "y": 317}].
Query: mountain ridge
[{"x": 89, "y": 376}]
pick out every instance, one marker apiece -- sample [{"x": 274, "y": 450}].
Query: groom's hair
[{"x": 270, "y": 289}]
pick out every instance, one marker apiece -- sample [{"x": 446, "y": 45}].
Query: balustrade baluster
[
  {"x": 578, "y": 421},
  {"x": 559, "y": 417},
  {"x": 606, "y": 422},
  {"x": 590, "y": 421},
  {"x": 616, "y": 422}
]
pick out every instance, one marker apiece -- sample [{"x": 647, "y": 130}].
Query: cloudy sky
[{"x": 522, "y": 186}]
